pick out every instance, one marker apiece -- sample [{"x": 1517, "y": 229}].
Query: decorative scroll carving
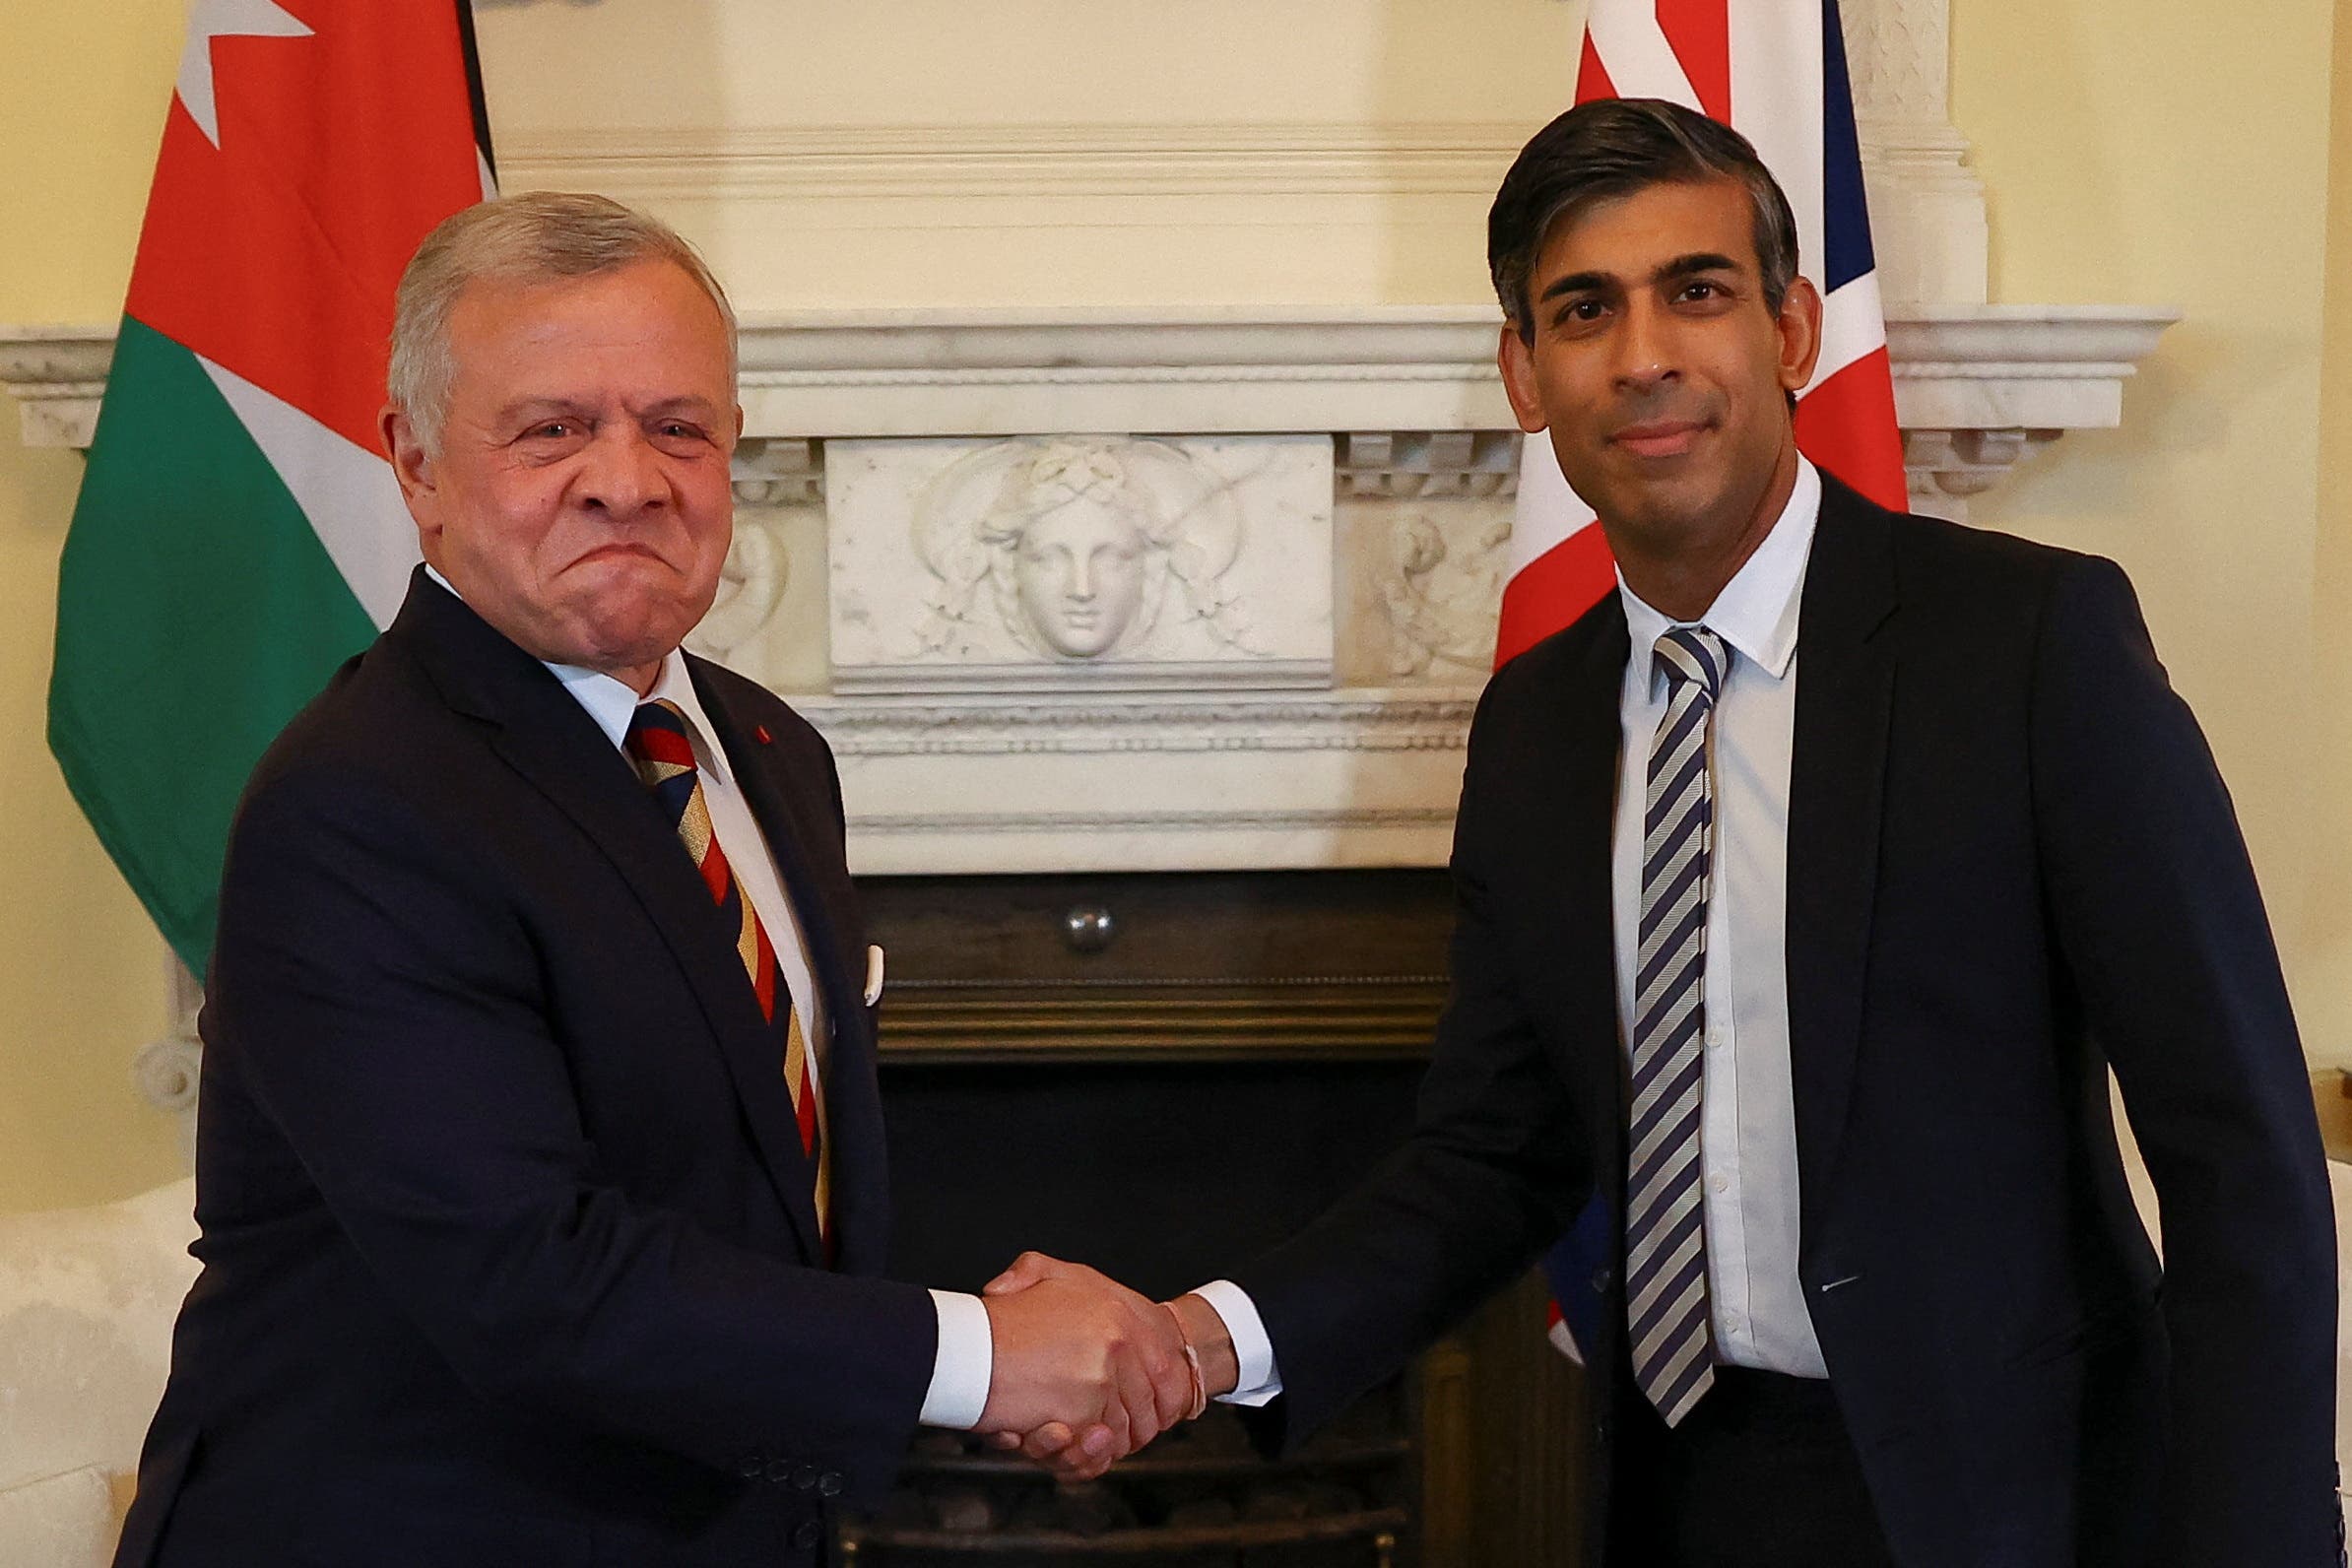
[
  {"x": 750, "y": 586},
  {"x": 1443, "y": 591},
  {"x": 1962, "y": 463},
  {"x": 166, "y": 1072}
]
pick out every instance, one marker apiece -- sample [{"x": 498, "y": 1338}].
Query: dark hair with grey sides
[
  {"x": 1613, "y": 146},
  {"x": 544, "y": 237}
]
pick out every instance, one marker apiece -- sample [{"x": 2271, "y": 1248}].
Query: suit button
[
  {"x": 804, "y": 1477},
  {"x": 1603, "y": 1278},
  {"x": 808, "y": 1535},
  {"x": 830, "y": 1484},
  {"x": 779, "y": 1469},
  {"x": 750, "y": 1464}
]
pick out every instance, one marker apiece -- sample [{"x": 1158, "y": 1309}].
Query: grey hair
[{"x": 540, "y": 237}]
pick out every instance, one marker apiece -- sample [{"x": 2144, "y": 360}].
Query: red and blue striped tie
[{"x": 665, "y": 759}]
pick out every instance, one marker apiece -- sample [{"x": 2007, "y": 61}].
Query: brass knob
[{"x": 1088, "y": 928}]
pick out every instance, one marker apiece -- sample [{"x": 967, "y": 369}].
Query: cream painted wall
[
  {"x": 2135, "y": 153},
  {"x": 2326, "y": 938},
  {"x": 870, "y": 128},
  {"x": 82, "y": 971},
  {"x": 2138, "y": 153}
]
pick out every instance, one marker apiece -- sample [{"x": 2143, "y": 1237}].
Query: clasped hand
[{"x": 1085, "y": 1371}]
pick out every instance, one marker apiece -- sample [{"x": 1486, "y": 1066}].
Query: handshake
[{"x": 1087, "y": 1371}]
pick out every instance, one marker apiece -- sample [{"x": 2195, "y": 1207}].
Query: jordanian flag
[{"x": 239, "y": 532}]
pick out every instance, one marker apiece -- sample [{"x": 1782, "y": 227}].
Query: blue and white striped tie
[{"x": 1666, "y": 1248}]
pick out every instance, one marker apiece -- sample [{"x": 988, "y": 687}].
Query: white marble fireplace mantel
[
  {"x": 1359, "y": 568},
  {"x": 1987, "y": 381}
]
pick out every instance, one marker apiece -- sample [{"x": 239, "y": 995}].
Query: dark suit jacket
[
  {"x": 2011, "y": 865},
  {"x": 508, "y": 1241}
]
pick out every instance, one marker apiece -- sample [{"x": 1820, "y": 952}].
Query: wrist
[{"x": 1220, "y": 1368}]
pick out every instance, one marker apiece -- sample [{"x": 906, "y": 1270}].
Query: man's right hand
[{"x": 1077, "y": 1352}]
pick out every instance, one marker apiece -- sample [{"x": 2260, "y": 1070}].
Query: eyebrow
[
  {"x": 540, "y": 407},
  {"x": 1684, "y": 266}
]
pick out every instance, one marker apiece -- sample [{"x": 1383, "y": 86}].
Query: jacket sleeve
[
  {"x": 1494, "y": 1170},
  {"x": 2160, "y": 928},
  {"x": 382, "y": 998}
]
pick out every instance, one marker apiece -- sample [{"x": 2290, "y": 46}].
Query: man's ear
[
  {"x": 410, "y": 464},
  {"x": 1517, "y": 361},
  {"x": 1800, "y": 329}
]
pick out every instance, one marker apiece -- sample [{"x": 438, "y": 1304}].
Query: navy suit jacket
[
  {"x": 2011, "y": 865},
  {"x": 508, "y": 1241}
]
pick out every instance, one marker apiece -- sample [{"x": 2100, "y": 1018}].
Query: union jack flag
[{"x": 1774, "y": 70}]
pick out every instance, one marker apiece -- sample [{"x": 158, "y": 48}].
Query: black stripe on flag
[{"x": 481, "y": 134}]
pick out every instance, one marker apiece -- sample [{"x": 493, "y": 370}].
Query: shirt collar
[
  {"x": 1757, "y": 610},
  {"x": 614, "y": 703}
]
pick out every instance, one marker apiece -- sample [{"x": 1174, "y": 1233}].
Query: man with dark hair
[
  {"x": 1809, "y": 887},
  {"x": 1627, "y": 145}
]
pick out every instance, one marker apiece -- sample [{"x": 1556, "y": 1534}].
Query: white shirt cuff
[
  {"x": 1259, "y": 1379},
  {"x": 959, "y": 1374}
]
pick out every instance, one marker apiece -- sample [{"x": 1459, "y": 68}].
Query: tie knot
[
  {"x": 657, "y": 742},
  {"x": 1693, "y": 653}
]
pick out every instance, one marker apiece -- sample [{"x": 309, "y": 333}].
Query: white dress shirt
[
  {"x": 960, "y": 1371},
  {"x": 1747, "y": 1134},
  {"x": 1747, "y": 1131}
]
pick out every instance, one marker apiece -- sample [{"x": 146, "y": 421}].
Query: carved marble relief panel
[
  {"x": 1081, "y": 561},
  {"x": 768, "y": 619},
  {"x": 1423, "y": 533}
]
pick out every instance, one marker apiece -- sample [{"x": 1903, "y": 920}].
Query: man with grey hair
[{"x": 539, "y": 1159}]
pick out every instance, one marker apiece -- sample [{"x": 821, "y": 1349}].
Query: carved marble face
[{"x": 1079, "y": 569}]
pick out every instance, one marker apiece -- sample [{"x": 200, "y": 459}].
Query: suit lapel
[
  {"x": 822, "y": 902},
  {"x": 550, "y": 741},
  {"x": 1557, "y": 782},
  {"x": 1563, "y": 828},
  {"x": 1593, "y": 728},
  {"x": 1845, "y": 692}
]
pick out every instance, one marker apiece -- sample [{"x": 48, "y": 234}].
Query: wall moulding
[{"x": 936, "y": 164}]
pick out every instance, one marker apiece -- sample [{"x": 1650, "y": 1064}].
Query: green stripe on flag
[{"x": 196, "y": 614}]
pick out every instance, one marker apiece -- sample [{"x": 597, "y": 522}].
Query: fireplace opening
[{"x": 1161, "y": 1074}]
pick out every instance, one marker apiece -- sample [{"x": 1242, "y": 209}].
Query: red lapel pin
[{"x": 759, "y": 734}]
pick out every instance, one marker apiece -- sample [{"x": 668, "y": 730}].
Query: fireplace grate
[{"x": 1197, "y": 1498}]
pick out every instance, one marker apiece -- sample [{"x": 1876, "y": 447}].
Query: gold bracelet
[{"x": 1192, "y": 1363}]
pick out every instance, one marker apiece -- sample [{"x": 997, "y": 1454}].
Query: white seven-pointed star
[{"x": 225, "y": 19}]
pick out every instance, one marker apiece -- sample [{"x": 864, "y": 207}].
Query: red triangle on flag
[{"x": 276, "y": 253}]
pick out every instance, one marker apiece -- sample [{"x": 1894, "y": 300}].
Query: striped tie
[
  {"x": 1666, "y": 1252},
  {"x": 657, "y": 742}
]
